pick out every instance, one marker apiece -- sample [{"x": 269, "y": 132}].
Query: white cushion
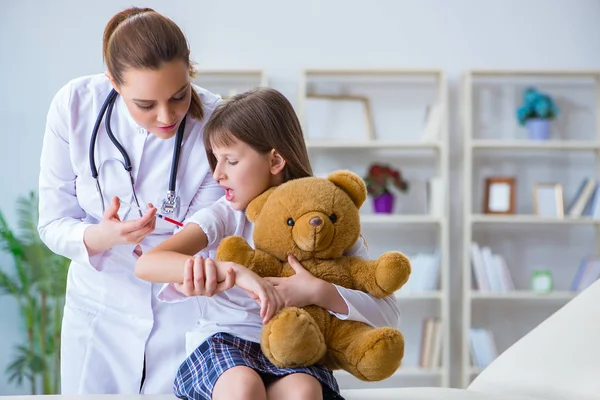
[
  {"x": 423, "y": 394},
  {"x": 351, "y": 394},
  {"x": 559, "y": 359}
]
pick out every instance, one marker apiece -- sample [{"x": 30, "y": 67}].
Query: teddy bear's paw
[
  {"x": 293, "y": 339},
  {"x": 234, "y": 248},
  {"x": 377, "y": 355},
  {"x": 393, "y": 270}
]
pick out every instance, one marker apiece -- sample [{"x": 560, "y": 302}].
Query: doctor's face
[{"x": 158, "y": 99}]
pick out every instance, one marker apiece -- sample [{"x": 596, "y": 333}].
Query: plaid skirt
[{"x": 198, "y": 374}]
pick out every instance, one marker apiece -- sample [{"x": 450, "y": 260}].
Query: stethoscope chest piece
[{"x": 170, "y": 204}]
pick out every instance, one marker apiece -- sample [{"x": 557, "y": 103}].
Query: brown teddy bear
[{"x": 317, "y": 220}]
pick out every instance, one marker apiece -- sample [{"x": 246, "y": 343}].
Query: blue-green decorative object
[
  {"x": 541, "y": 281},
  {"x": 536, "y": 112}
]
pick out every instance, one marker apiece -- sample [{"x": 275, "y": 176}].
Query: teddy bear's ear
[
  {"x": 255, "y": 207},
  {"x": 352, "y": 184}
]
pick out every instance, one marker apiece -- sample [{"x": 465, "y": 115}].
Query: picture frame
[
  {"x": 335, "y": 117},
  {"x": 548, "y": 200},
  {"x": 499, "y": 196}
]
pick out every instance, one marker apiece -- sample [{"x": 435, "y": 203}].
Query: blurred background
[{"x": 422, "y": 67}]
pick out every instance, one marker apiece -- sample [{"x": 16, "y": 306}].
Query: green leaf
[
  {"x": 9, "y": 285},
  {"x": 27, "y": 210},
  {"x": 9, "y": 242},
  {"x": 19, "y": 369}
]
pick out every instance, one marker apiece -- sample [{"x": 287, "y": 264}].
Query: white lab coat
[{"x": 112, "y": 320}]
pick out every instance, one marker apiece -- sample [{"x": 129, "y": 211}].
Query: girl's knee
[
  {"x": 239, "y": 383},
  {"x": 297, "y": 386},
  {"x": 311, "y": 389}
]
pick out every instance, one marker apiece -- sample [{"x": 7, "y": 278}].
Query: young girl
[{"x": 253, "y": 141}]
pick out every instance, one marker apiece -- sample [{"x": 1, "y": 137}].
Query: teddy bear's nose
[{"x": 316, "y": 221}]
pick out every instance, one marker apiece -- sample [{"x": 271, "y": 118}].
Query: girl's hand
[
  {"x": 299, "y": 290},
  {"x": 200, "y": 278},
  {"x": 126, "y": 232},
  {"x": 261, "y": 290}
]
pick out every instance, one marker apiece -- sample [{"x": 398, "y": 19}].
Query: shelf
[
  {"x": 378, "y": 71},
  {"x": 435, "y": 295},
  {"x": 524, "y": 295},
  {"x": 401, "y": 372},
  {"x": 490, "y": 99},
  {"x": 230, "y": 72},
  {"x": 399, "y": 219},
  {"x": 373, "y": 144},
  {"x": 423, "y": 144},
  {"x": 555, "y": 145},
  {"x": 531, "y": 219},
  {"x": 533, "y": 72}
]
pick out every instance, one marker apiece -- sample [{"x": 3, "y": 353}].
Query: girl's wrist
[
  {"x": 224, "y": 266},
  {"x": 327, "y": 296},
  {"x": 321, "y": 292}
]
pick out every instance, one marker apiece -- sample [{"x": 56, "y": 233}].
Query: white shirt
[
  {"x": 112, "y": 319},
  {"x": 234, "y": 312}
]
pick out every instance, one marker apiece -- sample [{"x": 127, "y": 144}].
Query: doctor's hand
[
  {"x": 200, "y": 278},
  {"x": 111, "y": 231},
  {"x": 127, "y": 232},
  {"x": 261, "y": 290}
]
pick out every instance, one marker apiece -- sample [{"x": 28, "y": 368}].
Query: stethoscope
[{"x": 170, "y": 204}]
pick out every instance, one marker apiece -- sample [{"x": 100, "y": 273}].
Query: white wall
[{"x": 43, "y": 44}]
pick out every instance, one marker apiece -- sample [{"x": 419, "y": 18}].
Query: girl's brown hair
[
  {"x": 141, "y": 38},
  {"x": 264, "y": 119}
]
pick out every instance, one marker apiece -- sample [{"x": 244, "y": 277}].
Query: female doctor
[
  {"x": 140, "y": 144},
  {"x": 134, "y": 136}
]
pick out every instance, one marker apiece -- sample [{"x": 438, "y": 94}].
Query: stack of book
[
  {"x": 424, "y": 275},
  {"x": 586, "y": 201},
  {"x": 588, "y": 273},
  {"x": 490, "y": 270},
  {"x": 483, "y": 347},
  {"x": 431, "y": 343}
]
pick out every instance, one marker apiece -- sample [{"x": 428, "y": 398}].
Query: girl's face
[
  {"x": 158, "y": 100},
  {"x": 245, "y": 173}
]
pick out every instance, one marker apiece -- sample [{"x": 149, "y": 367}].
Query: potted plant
[
  {"x": 537, "y": 111},
  {"x": 36, "y": 281},
  {"x": 379, "y": 180}
]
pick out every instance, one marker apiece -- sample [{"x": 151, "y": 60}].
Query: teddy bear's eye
[
  {"x": 290, "y": 222},
  {"x": 333, "y": 218}
]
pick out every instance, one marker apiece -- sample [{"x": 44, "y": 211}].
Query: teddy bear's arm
[
  {"x": 381, "y": 277},
  {"x": 237, "y": 249},
  {"x": 264, "y": 264}
]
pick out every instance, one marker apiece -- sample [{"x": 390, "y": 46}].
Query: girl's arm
[
  {"x": 167, "y": 261},
  {"x": 171, "y": 262},
  {"x": 303, "y": 289}
]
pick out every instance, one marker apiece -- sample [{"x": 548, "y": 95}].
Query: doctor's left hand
[
  {"x": 111, "y": 231},
  {"x": 200, "y": 278},
  {"x": 128, "y": 232}
]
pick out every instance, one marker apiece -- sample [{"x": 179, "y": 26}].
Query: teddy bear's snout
[{"x": 313, "y": 232}]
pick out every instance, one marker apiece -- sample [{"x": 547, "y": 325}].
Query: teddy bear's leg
[
  {"x": 370, "y": 354},
  {"x": 292, "y": 339}
]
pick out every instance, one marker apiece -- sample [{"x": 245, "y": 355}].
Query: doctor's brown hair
[
  {"x": 141, "y": 38},
  {"x": 264, "y": 119}
]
